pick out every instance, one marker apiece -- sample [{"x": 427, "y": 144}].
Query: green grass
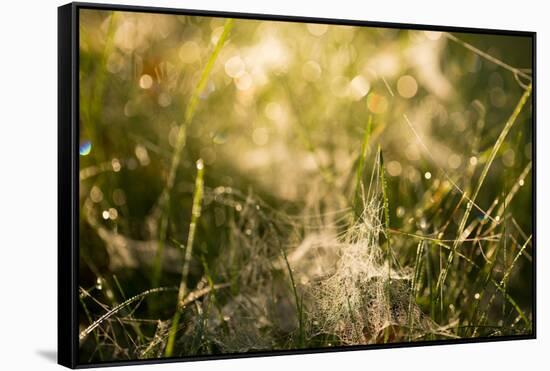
[
  {"x": 360, "y": 197},
  {"x": 183, "y": 289},
  {"x": 190, "y": 110}
]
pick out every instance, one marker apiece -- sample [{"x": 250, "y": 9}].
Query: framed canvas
[{"x": 235, "y": 185}]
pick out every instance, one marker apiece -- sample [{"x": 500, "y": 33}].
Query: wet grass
[{"x": 239, "y": 203}]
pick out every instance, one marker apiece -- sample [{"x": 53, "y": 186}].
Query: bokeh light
[{"x": 85, "y": 148}]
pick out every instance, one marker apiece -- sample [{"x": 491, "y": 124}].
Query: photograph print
[{"x": 256, "y": 186}]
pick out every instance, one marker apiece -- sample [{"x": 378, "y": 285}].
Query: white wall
[{"x": 28, "y": 79}]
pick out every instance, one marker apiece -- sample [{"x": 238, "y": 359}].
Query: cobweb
[{"x": 363, "y": 298}]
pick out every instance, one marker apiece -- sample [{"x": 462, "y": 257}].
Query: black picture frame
[{"x": 68, "y": 179}]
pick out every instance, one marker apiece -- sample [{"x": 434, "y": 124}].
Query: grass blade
[
  {"x": 359, "y": 198},
  {"x": 183, "y": 289},
  {"x": 180, "y": 143},
  {"x": 509, "y": 123},
  {"x": 122, "y": 305}
]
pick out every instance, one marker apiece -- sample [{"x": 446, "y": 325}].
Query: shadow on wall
[{"x": 49, "y": 355}]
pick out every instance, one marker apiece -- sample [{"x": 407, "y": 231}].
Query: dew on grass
[
  {"x": 288, "y": 119},
  {"x": 99, "y": 283}
]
